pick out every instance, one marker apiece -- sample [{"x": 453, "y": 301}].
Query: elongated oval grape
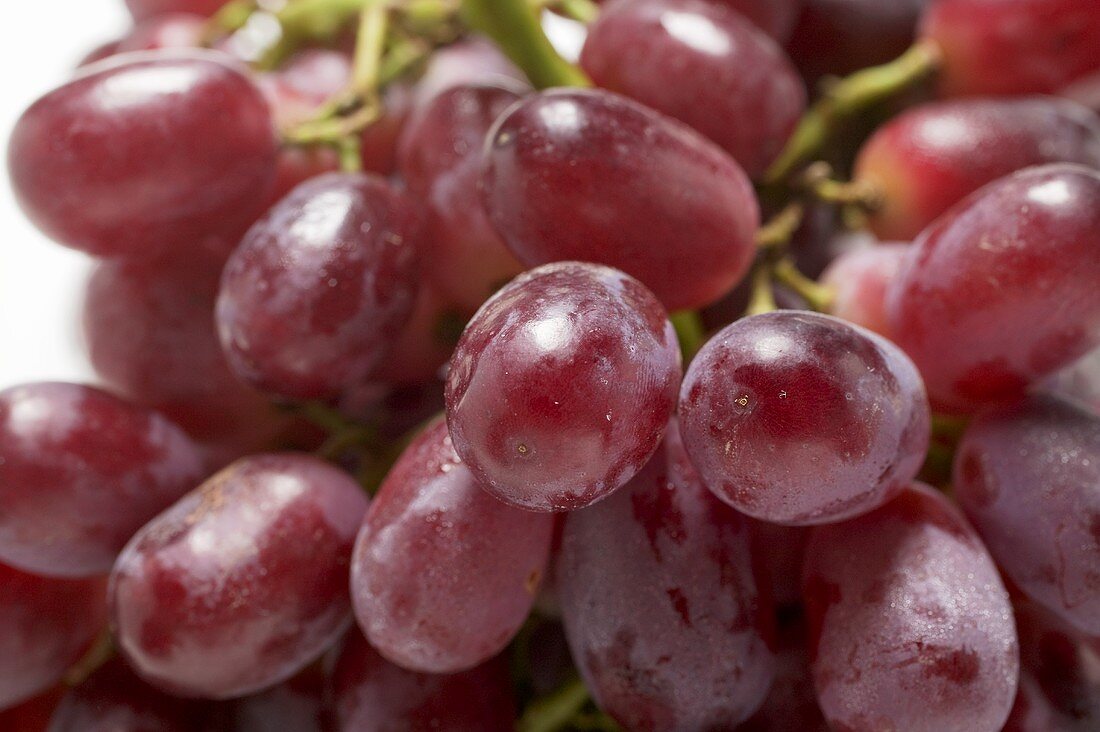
[
  {"x": 704, "y": 65},
  {"x": 443, "y": 574},
  {"x": 439, "y": 157},
  {"x": 911, "y": 627},
  {"x": 148, "y": 154},
  {"x": 142, "y": 9},
  {"x": 1001, "y": 290},
  {"x": 1004, "y": 47},
  {"x": 320, "y": 286},
  {"x": 48, "y": 624},
  {"x": 799, "y": 418},
  {"x": 931, "y": 157},
  {"x": 561, "y": 386},
  {"x": 1028, "y": 476},
  {"x": 374, "y": 695},
  {"x": 859, "y": 279},
  {"x": 80, "y": 472},
  {"x": 661, "y": 605},
  {"x": 243, "y": 582},
  {"x": 643, "y": 194}
]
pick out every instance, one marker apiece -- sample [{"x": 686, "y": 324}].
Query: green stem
[
  {"x": 582, "y": 11},
  {"x": 847, "y": 98},
  {"x": 762, "y": 300},
  {"x": 554, "y": 711},
  {"x": 690, "y": 332},
  {"x": 515, "y": 28},
  {"x": 101, "y": 651},
  {"x": 817, "y": 296},
  {"x": 370, "y": 46},
  {"x": 777, "y": 232}
]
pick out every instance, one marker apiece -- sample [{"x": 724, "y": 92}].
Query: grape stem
[
  {"x": 847, "y": 98},
  {"x": 818, "y": 181},
  {"x": 762, "y": 299},
  {"x": 817, "y": 296},
  {"x": 100, "y": 652},
  {"x": 777, "y": 232},
  {"x": 514, "y": 26},
  {"x": 582, "y": 11},
  {"x": 555, "y": 710},
  {"x": 690, "y": 332}
]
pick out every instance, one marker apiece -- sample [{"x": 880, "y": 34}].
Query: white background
[{"x": 40, "y": 282}]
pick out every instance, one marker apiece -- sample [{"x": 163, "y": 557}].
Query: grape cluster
[{"x": 734, "y": 365}]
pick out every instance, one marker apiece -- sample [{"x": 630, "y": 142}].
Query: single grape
[
  {"x": 374, "y": 695},
  {"x": 32, "y": 715},
  {"x": 1028, "y": 475},
  {"x": 472, "y": 61},
  {"x": 142, "y": 9},
  {"x": 296, "y": 705},
  {"x": 443, "y": 574},
  {"x": 146, "y": 154},
  {"x": 661, "y": 605},
  {"x": 561, "y": 386},
  {"x": 704, "y": 65},
  {"x": 780, "y": 550},
  {"x": 319, "y": 288},
  {"x": 1004, "y": 47},
  {"x": 839, "y": 37},
  {"x": 1001, "y": 290},
  {"x": 799, "y": 418},
  {"x": 790, "y": 705},
  {"x": 911, "y": 628},
  {"x": 591, "y": 176},
  {"x": 774, "y": 17},
  {"x": 48, "y": 625},
  {"x": 439, "y": 158},
  {"x": 243, "y": 582},
  {"x": 931, "y": 157},
  {"x": 859, "y": 279},
  {"x": 80, "y": 472},
  {"x": 171, "y": 30},
  {"x": 424, "y": 347}
]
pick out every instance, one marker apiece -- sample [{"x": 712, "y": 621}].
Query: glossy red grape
[
  {"x": 1028, "y": 476},
  {"x": 931, "y": 157},
  {"x": 243, "y": 582},
  {"x": 296, "y": 705},
  {"x": 799, "y": 418},
  {"x": 472, "y": 61},
  {"x": 443, "y": 574},
  {"x": 704, "y": 65},
  {"x": 32, "y": 715},
  {"x": 1001, "y": 290},
  {"x": 318, "y": 289},
  {"x": 80, "y": 472},
  {"x": 911, "y": 628},
  {"x": 439, "y": 158},
  {"x": 145, "y": 154},
  {"x": 561, "y": 386},
  {"x": 1003, "y": 47},
  {"x": 590, "y": 176},
  {"x": 48, "y": 624},
  {"x": 661, "y": 605},
  {"x": 859, "y": 279},
  {"x": 374, "y": 695}
]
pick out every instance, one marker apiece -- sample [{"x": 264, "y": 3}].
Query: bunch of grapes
[{"x": 704, "y": 365}]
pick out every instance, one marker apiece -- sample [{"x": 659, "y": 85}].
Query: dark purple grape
[
  {"x": 373, "y": 695},
  {"x": 661, "y": 605},
  {"x": 443, "y": 574},
  {"x": 145, "y": 154},
  {"x": 48, "y": 624},
  {"x": 704, "y": 65},
  {"x": 1001, "y": 290},
  {"x": 1028, "y": 476},
  {"x": 590, "y": 176},
  {"x": 911, "y": 628},
  {"x": 80, "y": 472},
  {"x": 799, "y": 418},
  {"x": 320, "y": 287},
  {"x": 243, "y": 582},
  {"x": 296, "y": 705},
  {"x": 561, "y": 386},
  {"x": 859, "y": 279},
  {"x": 439, "y": 157}
]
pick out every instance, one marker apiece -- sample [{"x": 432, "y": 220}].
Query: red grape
[
  {"x": 243, "y": 582},
  {"x": 424, "y": 346},
  {"x": 781, "y": 550},
  {"x": 592, "y": 176},
  {"x": 439, "y": 157},
  {"x": 790, "y": 705},
  {"x": 911, "y": 628},
  {"x": 443, "y": 574},
  {"x": 173, "y": 30},
  {"x": 48, "y": 624},
  {"x": 472, "y": 61},
  {"x": 373, "y": 695},
  {"x": 1001, "y": 290},
  {"x": 318, "y": 289},
  {"x": 80, "y": 472},
  {"x": 142, "y": 9},
  {"x": 1028, "y": 476},
  {"x": 561, "y": 386},
  {"x": 1001, "y": 47},
  {"x": 932, "y": 157},
  {"x": 296, "y": 705},
  {"x": 774, "y": 17},
  {"x": 661, "y": 604},
  {"x": 32, "y": 715},
  {"x": 145, "y": 154},
  {"x": 704, "y": 65},
  {"x": 859, "y": 279},
  {"x": 799, "y": 418}
]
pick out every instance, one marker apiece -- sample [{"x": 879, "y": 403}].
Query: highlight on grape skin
[{"x": 557, "y": 366}]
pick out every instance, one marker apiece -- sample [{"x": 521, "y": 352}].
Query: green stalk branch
[
  {"x": 554, "y": 711},
  {"x": 817, "y": 296},
  {"x": 690, "y": 332}
]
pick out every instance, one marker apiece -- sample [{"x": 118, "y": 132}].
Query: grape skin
[
  {"x": 143, "y": 9},
  {"x": 561, "y": 386},
  {"x": 859, "y": 279}
]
